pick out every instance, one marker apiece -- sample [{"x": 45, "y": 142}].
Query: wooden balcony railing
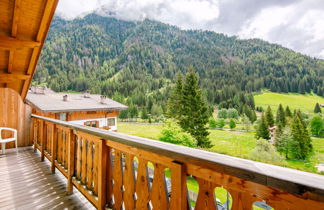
[{"x": 111, "y": 170}]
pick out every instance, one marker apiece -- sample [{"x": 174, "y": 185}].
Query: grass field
[
  {"x": 305, "y": 103},
  {"x": 238, "y": 144}
]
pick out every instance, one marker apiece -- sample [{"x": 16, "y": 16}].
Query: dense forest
[{"x": 136, "y": 62}]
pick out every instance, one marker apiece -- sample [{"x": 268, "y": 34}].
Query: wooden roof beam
[
  {"x": 14, "y": 29},
  {"x": 8, "y": 78},
  {"x": 10, "y": 43}
]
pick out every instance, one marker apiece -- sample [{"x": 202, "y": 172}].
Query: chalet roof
[{"x": 50, "y": 101}]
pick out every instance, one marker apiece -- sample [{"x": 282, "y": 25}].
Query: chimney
[
  {"x": 86, "y": 95},
  {"x": 65, "y": 97},
  {"x": 33, "y": 89},
  {"x": 42, "y": 90},
  {"x": 102, "y": 99}
]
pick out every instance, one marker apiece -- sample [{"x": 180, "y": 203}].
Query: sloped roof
[
  {"x": 23, "y": 28},
  {"x": 53, "y": 102}
]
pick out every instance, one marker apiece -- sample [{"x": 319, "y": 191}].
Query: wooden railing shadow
[{"x": 100, "y": 164}]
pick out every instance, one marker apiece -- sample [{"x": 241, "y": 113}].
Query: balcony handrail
[{"x": 303, "y": 184}]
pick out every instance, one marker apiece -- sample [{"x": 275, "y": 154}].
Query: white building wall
[{"x": 102, "y": 122}]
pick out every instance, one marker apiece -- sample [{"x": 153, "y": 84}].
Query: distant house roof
[
  {"x": 47, "y": 100},
  {"x": 273, "y": 128}
]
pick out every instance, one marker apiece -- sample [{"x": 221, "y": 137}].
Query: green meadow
[
  {"x": 305, "y": 103},
  {"x": 234, "y": 143}
]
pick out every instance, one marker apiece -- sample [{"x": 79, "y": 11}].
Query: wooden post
[
  {"x": 179, "y": 197},
  {"x": 102, "y": 174},
  {"x": 70, "y": 162},
  {"x": 43, "y": 140},
  {"x": 54, "y": 142}
]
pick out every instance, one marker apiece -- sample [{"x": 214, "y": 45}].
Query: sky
[{"x": 296, "y": 24}]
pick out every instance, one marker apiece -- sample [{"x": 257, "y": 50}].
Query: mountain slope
[{"x": 139, "y": 60}]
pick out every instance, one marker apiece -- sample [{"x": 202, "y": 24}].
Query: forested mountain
[{"x": 139, "y": 60}]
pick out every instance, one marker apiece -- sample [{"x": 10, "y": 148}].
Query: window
[
  {"x": 111, "y": 122},
  {"x": 63, "y": 116},
  {"x": 94, "y": 123}
]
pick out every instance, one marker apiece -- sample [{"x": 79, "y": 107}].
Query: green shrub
[
  {"x": 222, "y": 113},
  {"x": 232, "y": 124},
  {"x": 265, "y": 152},
  {"x": 220, "y": 123},
  {"x": 317, "y": 126},
  {"x": 232, "y": 113},
  {"x": 172, "y": 133},
  {"x": 212, "y": 123}
]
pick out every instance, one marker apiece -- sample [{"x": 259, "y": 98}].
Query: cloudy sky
[{"x": 296, "y": 24}]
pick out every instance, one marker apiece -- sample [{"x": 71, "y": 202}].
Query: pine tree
[
  {"x": 246, "y": 122},
  {"x": 175, "y": 101},
  {"x": 144, "y": 114},
  {"x": 269, "y": 117},
  {"x": 301, "y": 141},
  {"x": 281, "y": 118},
  {"x": 123, "y": 114},
  {"x": 288, "y": 112},
  {"x": 317, "y": 108},
  {"x": 232, "y": 124},
  {"x": 190, "y": 108},
  {"x": 283, "y": 141},
  {"x": 263, "y": 129}
]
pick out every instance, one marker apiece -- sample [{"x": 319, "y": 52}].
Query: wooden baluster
[
  {"x": 70, "y": 161},
  {"x": 89, "y": 165},
  {"x": 129, "y": 182},
  {"x": 59, "y": 142},
  {"x": 43, "y": 140},
  {"x": 96, "y": 158},
  {"x": 179, "y": 194},
  {"x": 142, "y": 187},
  {"x": 159, "y": 195},
  {"x": 48, "y": 136},
  {"x": 67, "y": 140},
  {"x": 84, "y": 161},
  {"x": 35, "y": 133},
  {"x": 206, "y": 196},
  {"x": 54, "y": 148},
  {"x": 241, "y": 200},
  {"x": 118, "y": 180},
  {"x": 63, "y": 144},
  {"x": 109, "y": 178},
  {"x": 79, "y": 153},
  {"x": 102, "y": 174}
]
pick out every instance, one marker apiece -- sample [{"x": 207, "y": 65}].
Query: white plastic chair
[{"x": 4, "y": 141}]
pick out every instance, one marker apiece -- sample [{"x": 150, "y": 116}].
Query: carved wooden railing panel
[
  {"x": 86, "y": 165},
  {"x": 126, "y": 172},
  {"x": 150, "y": 190}
]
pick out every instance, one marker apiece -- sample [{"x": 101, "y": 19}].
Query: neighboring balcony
[{"x": 119, "y": 171}]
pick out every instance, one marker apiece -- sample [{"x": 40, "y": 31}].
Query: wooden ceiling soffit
[
  {"x": 41, "y": 36},
  {"x": 20, "y": 79}
]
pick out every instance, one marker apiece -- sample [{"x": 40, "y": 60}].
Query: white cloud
[{"x": 297, "y": 24}]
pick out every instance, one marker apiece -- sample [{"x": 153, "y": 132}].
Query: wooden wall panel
[
  {"x": 84, "y": 115},
  {"x": 15, "y": 114},
  {"x": 90, "y": 115}
]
